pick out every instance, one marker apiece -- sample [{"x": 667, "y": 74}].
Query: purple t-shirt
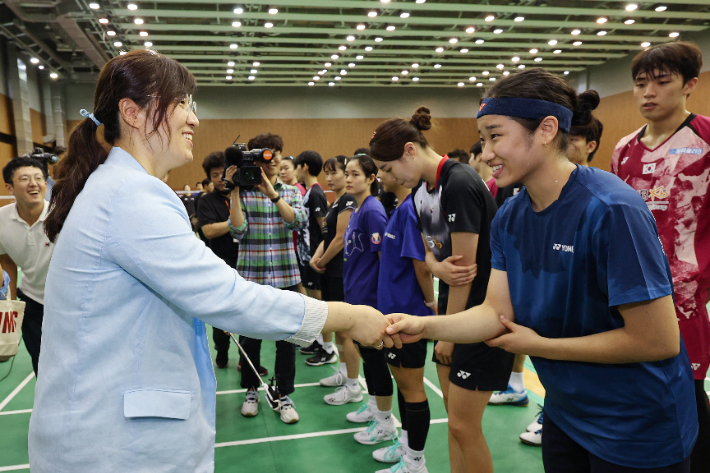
[{"x": 361, "y": 263}]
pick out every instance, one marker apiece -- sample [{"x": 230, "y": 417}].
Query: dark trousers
[
  {"x": 221, "y": 339},
  {"x": 32, "y": 327},
  {"x": 700, "y": 457},
  {"x": 561, "y": 454},
  {"x": 284, "y": 367}
]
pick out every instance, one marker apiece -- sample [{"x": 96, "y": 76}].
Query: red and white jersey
[{"x": 673, "y": 179}]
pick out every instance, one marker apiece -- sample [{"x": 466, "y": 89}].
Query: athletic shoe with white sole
[
  {"x": 376, "y": 433},
  {"x": 338, "y": 379},
  {"x": 288, "y": 411},
  {"x": 250, "y": 407},
  {"x": 404, "y": 467},
  {"x": 536, "y": 424},
  {"x": 362, "y": 415},
  {"x": 532, "y": 438},
  {"x": 322, "y": 357},
  {"x": 311, "y": 349},
  {"x": 509, "y": 397},
  {"x": 391, "y": 454},
  {"x": 343, "y": 395}
]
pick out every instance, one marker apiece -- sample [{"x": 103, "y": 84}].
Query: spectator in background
[
  {"x": 483, "y": 169},
  {"x": 24, "y": 244},
  {"x": 288, "y": 176},
  {"x": 188, "y": 200},
  {"x": 584, "y": 142},
  {"x": 458, "y": 155},
  {"x": 213, "y": 216},
  {"x": 199, "y": 187}
]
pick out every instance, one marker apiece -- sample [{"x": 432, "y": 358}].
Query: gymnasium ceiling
[{"x": 347, "y": 43}]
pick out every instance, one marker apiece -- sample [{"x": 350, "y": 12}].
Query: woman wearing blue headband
[{"x": 581, "y": 284}]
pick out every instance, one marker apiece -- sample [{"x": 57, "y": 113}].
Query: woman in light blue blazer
[{"x": 127, "y": 382}]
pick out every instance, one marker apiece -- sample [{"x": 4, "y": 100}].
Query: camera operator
[
  {"x": 263, "y": 218},
  {"x": 23, "y": 243},
  {"x": 212, "y": 216}
]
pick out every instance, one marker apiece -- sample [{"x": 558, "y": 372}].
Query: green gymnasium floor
[{"x": 321, "y": 441}]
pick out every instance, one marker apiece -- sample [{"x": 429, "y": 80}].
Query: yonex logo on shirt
[
  {"x": 686, "y": 151},
  {"x": 390, "y": 236},
  {"x": 452, "y": 217},
  {"x": 623, "y": 161},
  {"x": 392, "y": 356},
  {"x": 695, "y": 366},
  {"x": 463, "y": 375},
  {"x": 565, "y": 248}
]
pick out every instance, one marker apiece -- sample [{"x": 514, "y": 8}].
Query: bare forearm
[
  {"x": 612, "y": 347},
  {"x": 341, "y": 317},
  {"x": 425, "y": 280},
  {"x": 236, "y": 215},
  {"x": 286, "y": 211},
  {"x": 476, "y": 324},
  {"x": 11, "y": 268},
  {"x": 216, "y": 230},
  {"x": 458, "y": 297}
]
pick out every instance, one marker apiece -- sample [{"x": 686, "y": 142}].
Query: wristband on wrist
[
  {"x": 275, "y": 199},
  {"x": 431, "y": 304}
]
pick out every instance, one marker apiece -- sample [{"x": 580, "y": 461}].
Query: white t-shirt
[{"x": 28, "y": 247}]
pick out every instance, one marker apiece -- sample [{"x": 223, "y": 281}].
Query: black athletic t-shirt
[
  {"x": 334, "y": 268},
  {"x": 214, "y": 208},
  {"x": 188, "y": 200},
  {"x": 460, "y": 202},
  {"x": 315, "y": 204}
]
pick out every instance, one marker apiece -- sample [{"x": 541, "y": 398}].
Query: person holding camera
[
  {"x": 24, "y": 244},
  {"x": 262, "y": 218}
]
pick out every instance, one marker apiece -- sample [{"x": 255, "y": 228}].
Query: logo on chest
[
  {"x": 649, "y": 168},
  {"x": 564, "y": 248}
]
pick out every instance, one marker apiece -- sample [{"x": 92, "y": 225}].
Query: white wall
[{"x": 310, "y": 102}]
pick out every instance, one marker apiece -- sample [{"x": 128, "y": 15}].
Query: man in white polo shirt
[{"x": 24, "y": 244}]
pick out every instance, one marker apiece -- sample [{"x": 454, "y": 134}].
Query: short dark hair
[
  {"x": 313, "y": 159},
  {"x": 267, "y": 140},
  {"x": 206, "y": 182},
  {"x": 591, "y": 132},
  {"x": 337, "y": 161},
  {"x": 462, "y": 155},
  {"x": 477, "y": 148},
  {"x": 19, "y": 162},
  {"x": 680, "y": 57},
  {"x": 361, "y": 151},
  {"x": 213, "y": 160}
]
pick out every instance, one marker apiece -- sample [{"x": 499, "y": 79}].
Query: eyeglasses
[
  {"x": 188, "y": 104},
  {"x": 26, "y": 179}
]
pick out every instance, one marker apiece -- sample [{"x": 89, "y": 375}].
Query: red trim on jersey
[{"x": 438, "y": 170}]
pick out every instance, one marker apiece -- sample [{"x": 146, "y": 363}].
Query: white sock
[
  {"x": 404, "y": 438},
  {"x": 413, "y": 457},
  {"x": 343, "y": 368},
  {"x": 372, "y": 403},
  {"x": 320, "y": 339},
  {"x": 384, "y": 417},
  {"x": 328, "y": 347},
  {"x": 516, "y": 381},
  {"x": 352, "y": 384}
]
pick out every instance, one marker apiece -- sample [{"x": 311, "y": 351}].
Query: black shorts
[
  {"x": 411, "y": 355},
  {"x": 478, "y": 367},
  {"x": 332, "y": 289},
  {"x": 309, "y": 277}
]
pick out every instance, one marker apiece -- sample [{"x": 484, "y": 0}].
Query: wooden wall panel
[
  {"x": 6, "y": 117},
  {"x": 621, "y": 116},
  {"x": 38, "y": 126}
]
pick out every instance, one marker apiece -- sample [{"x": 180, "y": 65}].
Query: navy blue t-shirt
[
  {"x": 398, "y": 289},
  {"x": 361, "y": 263},
  {"x": 569, "y": 267}
]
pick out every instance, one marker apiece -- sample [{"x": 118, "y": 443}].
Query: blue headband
[
  {"x": 527, "y": 108},
  {"x": 86, "y": 114}
]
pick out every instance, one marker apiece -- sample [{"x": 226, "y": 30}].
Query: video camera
[
  {"x": 42, "y": 156},
  {"x": 248, "y": 174}
]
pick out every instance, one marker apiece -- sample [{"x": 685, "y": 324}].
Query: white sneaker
[
  {"x": 288, "y": 411},
  {"x": 343, "y": 395},
  {"x": 376, "y": 433},
  {"x": 250, "y": 408},
  {"x": 536, "y": 424},
  {"x": 362, "y": 415},
  {"x": 532, "y": 438},
  {"x": 391, "y": 454},
  {"x": 404, "y": 467},
  {"x": 509, "y": 397},
  {"x": 338, "y": 379}
]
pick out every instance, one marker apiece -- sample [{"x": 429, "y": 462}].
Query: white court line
[
  {"x": 15, "y": 391},
  {"x": 15, "y": 467},
  {"x": 433, "y": 387},
  {"x": 237, "y": 391},
  {"x": 326, "y": 433},
  {"x": 22, "y": 411}
]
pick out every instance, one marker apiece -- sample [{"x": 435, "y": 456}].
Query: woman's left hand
[
  {"x": 266, "y": 187},
  {"x": 519, "y": 339}
]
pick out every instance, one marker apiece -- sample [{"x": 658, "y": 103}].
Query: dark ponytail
[
  {"x": 154, "y": 82},
  {"x": 539, "y": 84},
  {"x": 585, "y": 124},
  {"x": 387, "y": 144},
  {"x": 369, "y": 168}
]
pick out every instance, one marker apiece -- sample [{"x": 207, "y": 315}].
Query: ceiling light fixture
[
  {"x": 328, "y": 64},
  {"x": 566, "y": 73},
  {"x": 390, "y": 28},
  {"x": 148, "y": 44},
  {"x": 415, "y": 79},
  {"x": 519, "y": 19},
  {"x": 439, "y": 49},
  {"x": 601, "y": 33},
  {"x": 251, "y": 77},
  {"x": 464, "y": 50},
  {"x": 311, "y": 84},
  {"x": 534, "y": 51},
  {"x": 661, "y": 8},
  {"x": 111, "y": 33},
  {"x": 350, "y": 38},
  {"x": 233, "y": 46},
  {"x": 53, "y": 75},
  {"x": 338, "y": 77},
  {"x": 500, "y": 66},
  {"x": 472, "y": 79},
  {"x": 492, "y": 79},
  {"x": 674, "y": 34},
  {"x": 498, "y": 31},
  {"x": 40, "y": 67},
  {"x": 395, "y": 79},
  {"x": 629, "y": 22},
  {"x": 479, "y": 84},
  {"x": 132, "y": 6},
  {"x": 331, "y": 84},
  {"x": 256, "y": 64},
  {"x": 552, "y": 42},
  {"x": 404, "y": 14},
  {"x": 103, "y": 21},
  {"x": 378, "y": 39},
  {"x": 480, "y": 41},
  {"x": 437, "y": 66},
  {"x": 143, "y": 33},
  {"x": 515, "y": 58},
  {"x": 360, "y": 27},
  {"x": 342, "y": 48},
  {"x": 602, "y": 19},
  {"x": 352, "y": 64},
  {"x": 490, "y": 17},
  {"x": 485, "y": 73},
  {"x": 557, "y": 51},
  {"x": 461, "y": 84},
  {"x": 254, "y": 71},
  {"x": 522, "y": 66},
  {"x": 631, "y": 7},
  {"x": 645, "y": 44},
  {"x": 238, "y": 10},
  {"x": 470, "y": 30},
  {"x": 359, "y": 57},
  {"x": 118, "y": 44},
  {"x": 372, "y": 14},
  {"x": 334, "y": 56},
  {"x": 577, "y": 43},
  {"x": 230, "y": 71},
  {"x": 138, "y": 21},
  {"x": 236, "y": 24},
  {"x": 405, "y": 72},
  {"x": 228, "y": 77},
  {"x": 268, "y": 24},
  {"x": 230, "y": 63},
  {"x": 343, "y": 72},
  {"x": 34, "y": 60},
  {"x": 454, "y": 40},
  {"x": 273, "y": 11},
  {"x": 575, "y": 32},
  {"x": 506, "y": 73},
  {"x": 368, "y": 48},
  {"x": 538, "y": 59},
  {"x": 316, "y": 77},
  {"x": 94, "y": 6}
]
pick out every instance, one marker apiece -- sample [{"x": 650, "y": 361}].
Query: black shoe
[
  {"x": 262, "y": 371},
  {"x": 311, "y": 349},
  {"x": 322, "y": 357},
  {"x": 221, "y": 364}
]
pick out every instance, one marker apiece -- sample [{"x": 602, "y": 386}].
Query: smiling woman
[{"x": 127, "y": 381}]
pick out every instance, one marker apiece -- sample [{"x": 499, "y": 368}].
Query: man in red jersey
[{"x": 668, "y": 162}]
